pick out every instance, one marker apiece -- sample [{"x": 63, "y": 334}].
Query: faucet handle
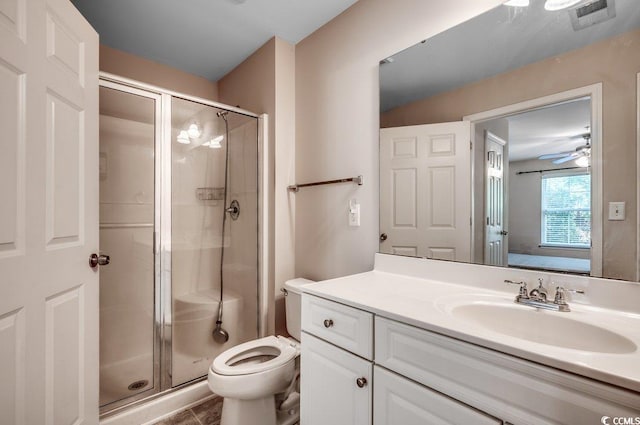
[
  {"x": 523, "y": 288},
  {"x": 561, "y": 294}
]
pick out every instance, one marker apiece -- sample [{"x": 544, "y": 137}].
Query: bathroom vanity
[{"x": 429, "y": 342}]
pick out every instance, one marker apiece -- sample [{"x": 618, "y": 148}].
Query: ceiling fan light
[
  {"x": 183, "y": 138},
  {"x": 193, "y": 131},
  {"x": 583, "y": 161},
  {"x": 215, "y": 143},
  {"x": 560, "y": 4},
  {"x": 517, "y": 3}
]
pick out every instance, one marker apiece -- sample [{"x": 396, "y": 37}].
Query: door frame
[
  {"x": 594, "y": 91},
  {"x": 638, "y": 174},
  {"x": 505, "y": 192}
]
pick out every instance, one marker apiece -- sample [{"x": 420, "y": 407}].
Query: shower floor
[{"x": 116, "y": 378}]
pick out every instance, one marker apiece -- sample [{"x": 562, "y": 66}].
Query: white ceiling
[
  {"x": 204, "y": 37},
  {"x": 554, "y": 129}
]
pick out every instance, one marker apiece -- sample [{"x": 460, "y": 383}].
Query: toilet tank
[{"x": 292, "y": 304}]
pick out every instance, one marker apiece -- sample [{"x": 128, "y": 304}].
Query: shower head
[{"x": 222, "y": 114}]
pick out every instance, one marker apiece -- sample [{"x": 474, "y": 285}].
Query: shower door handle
[{"x": 96, "y": 260}]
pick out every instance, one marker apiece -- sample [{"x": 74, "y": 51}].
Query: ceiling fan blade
[
  {"x": 566, "y": 159},
  {"x": 555, "y": 155}
]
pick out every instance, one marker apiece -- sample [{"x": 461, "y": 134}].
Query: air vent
[{"x": 592, "y": 13}]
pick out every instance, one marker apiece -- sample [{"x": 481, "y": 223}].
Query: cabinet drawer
[
  {"x": 515, "y": 390},
  {"x": 397, "y": 400},
  {"x": 344, "y": 326}
]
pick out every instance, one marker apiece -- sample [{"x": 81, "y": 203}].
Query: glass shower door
[
  {"x": 128, "y": 348},
  {"x": 214, "y": 251}
]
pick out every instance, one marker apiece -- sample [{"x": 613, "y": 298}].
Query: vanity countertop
[{"x": 428, "y": 304}]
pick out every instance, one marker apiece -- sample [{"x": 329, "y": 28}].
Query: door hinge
[{"x": 470, "y": 145}]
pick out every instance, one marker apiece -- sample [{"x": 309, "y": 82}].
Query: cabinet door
[
  {"x": 398, "y": 400},
  {"x": 330, "y": 390}
]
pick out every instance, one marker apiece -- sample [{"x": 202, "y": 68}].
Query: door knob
[
  {"x": 328, "y": 323},
  {"x": 503, "y": 232},
  {"x": 383, "y": 237},
  {"x": 96, "y": 260},
  {"x": 361, "y": 382}
]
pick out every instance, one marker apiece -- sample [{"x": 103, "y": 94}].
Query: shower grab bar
[
  {"x": 125, "y": 225},
  {"x": 297, "y": 187}
]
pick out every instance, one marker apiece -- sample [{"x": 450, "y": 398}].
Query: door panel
[
  {"x": 329, "y": 391},
  {"x": 425, "y": 190},
  {"x": 48, "y": 180},
  {"x": 495, "y": 249},
  {"x": 397, "y": 400}
]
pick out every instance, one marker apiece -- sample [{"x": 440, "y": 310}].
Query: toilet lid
[{"x": 255, "y": 356}]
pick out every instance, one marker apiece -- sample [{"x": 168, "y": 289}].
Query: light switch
[
  {"x": 616, "y": 210},
  {"x": 354, "y": 213}
]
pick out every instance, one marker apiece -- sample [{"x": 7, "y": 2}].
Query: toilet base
[
  {"x": 242, "y": 412},
  {"x": 261, "y": 411}
]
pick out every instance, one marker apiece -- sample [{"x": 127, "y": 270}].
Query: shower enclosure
[{"x": 180, "y": 218}]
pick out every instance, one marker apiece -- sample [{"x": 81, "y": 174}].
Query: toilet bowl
[{"x": 258, "y": 378}]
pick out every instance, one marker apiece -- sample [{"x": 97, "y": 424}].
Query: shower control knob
[
  {"x": 361, "y": 382},
  {"x": 96, "y": 260},
  {"x": 328, "y": 323}
]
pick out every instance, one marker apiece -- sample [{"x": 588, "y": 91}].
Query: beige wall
[
  {"x": 136, "y": 68},
  {"x": 337, "y": 122},
  {"x": 589, "y": 65},
  {"x": 264, "y": 83}
]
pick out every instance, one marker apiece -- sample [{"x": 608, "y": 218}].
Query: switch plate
[
  {"x": 616, "y": 210},
  {"x": 354, "y": 213}
]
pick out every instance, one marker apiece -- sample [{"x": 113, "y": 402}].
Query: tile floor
[{"x": 207, "y": 413}]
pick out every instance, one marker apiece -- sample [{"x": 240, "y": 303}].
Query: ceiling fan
[{"x": 579, "y": 152}]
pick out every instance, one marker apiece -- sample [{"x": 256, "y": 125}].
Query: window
[{"x": 566, "y": 210}]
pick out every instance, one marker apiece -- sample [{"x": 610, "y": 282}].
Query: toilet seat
[{"x": 248, "y": 358}]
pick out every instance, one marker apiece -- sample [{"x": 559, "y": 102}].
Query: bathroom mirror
[{"x": 511, "y": 140}]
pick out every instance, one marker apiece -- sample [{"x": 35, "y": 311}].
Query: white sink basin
[{"x": 543, "y": 327}]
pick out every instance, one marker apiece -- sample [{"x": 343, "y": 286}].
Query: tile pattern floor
[{"x": 207, "y": 413}]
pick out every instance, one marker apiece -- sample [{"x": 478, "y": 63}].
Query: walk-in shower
[{"x": 180, "y": 218}]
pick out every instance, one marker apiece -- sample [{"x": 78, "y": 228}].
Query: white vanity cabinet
[
  {"x": 360, "y": 368},
  {"x": 515, "y": 390},
  {"x": 336, "y": 382},
  {"x": 336, "y": 385},
  {"x": 397, "y": 400}
]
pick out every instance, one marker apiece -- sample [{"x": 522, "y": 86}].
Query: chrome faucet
[
  {"x": 540, "y": 293},
  {"x": 538, "y": 297}
]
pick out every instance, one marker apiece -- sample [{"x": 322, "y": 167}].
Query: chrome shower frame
[{"x": 162, "y": 232}]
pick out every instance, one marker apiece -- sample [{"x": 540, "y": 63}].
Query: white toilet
[{"x": 258, "y": 379}]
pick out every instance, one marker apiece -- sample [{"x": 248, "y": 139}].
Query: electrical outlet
[{"x": 354, "y": 213}]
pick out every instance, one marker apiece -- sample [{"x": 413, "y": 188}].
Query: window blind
[{"x": 566, "y": 210}]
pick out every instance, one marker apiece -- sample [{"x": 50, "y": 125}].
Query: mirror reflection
[{"x": 511, "y": 140}]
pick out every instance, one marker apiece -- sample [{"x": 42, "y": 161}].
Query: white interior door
[
  {"x": 495, "y": 241},
  {"x": 48, "y": 214},
  {"x": 425, "y": 190}
]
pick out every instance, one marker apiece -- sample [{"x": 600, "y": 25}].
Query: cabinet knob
[
  {"x": 328, "y": 323},
  {"x": 361, "y": 382}
]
